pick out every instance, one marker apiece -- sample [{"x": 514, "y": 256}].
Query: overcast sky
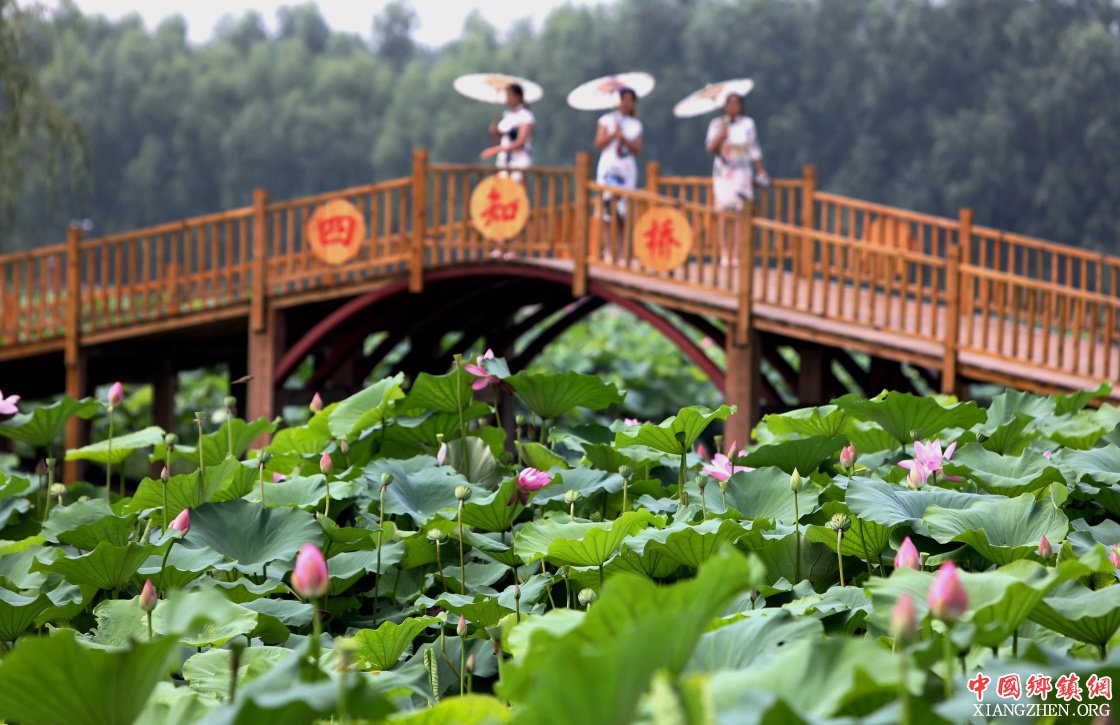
[{"x": 440, "y": 20}]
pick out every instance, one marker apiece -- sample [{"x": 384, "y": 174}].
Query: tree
[{"x": 392, "y": 33}]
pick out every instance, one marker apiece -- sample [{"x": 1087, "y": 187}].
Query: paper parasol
[
  {"x": 711, "y": 97},
  {"x": 602, "y": 93},
  {"x": 491, "y": 87}
]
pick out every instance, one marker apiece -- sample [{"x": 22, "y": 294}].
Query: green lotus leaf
[
  {"x": 674, "y": 435},
  {"x": 202, "y": 618},
  {"x": 291, "y": 612},
  {"x": 579, "y": 543},
  {"x": 224, "y": 481},
  {"x": 611, "y": 656},
  {"x": 690, "y": 545},
  {"x": 818, "y": 562},
  {"x": 1000, "y": 531},
  {"x": 652, "y": 563},
  {"x": 1084, "y": 614},
  {"x": 365, "y": 409},
  {"x": 251, "y": 534},
  {"x": 840, "y": 609},
  {"x": 804, "y": 454},
  {"x": 1098, "y": 465},
  {"x": 18, "y": 613},
  {"x": 106, "y": 567},
  {"x": 447, "y": 393},
  {"x": 1007, "y": 475},
  {"x": 49, "y": 680},
  {"x": 170, "y": 705},
  {"x": 541, "y": 457},
  {"x": 379, "y": 649},
  {"x": 85, "y": 524},
  {"x": 1084, "y": 538},
  {"x": 556, "y": 622},
  {"x": 420, "y": 488},
  {"x": 908, "y": 418},
  {"x": 766, "y": 494},
  {"x": 209, "y": 672},
  {"x": 215, "y": 444},
  {"x": 751, "y": 641},
  {"x": 1081, "y": 430},
  {"x": 119, "y": 449},
  {"x": 413, "y": 435},
  {"x": 865, "y": 539},
  {"x": 551, "y": 395},
  {"x": 185, "y": 563},
  {"x": 891, "y": 504},
  {"x": 298, "y": 443},
  {"x": 496, "y": 511},
  {"x": 42, "y": 426},
  {"x": 483, "y": 467},
  {"x": 304, "y": 492},
  {"x": 1009, "y": 416},
  {"x": 825, "y": 420},
  {"x": 462, "y": 710},
  {"x": 585, "y": 480}
]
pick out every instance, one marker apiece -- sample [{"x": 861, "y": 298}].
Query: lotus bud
[
  {"x": 230, "y": 401},
  {"x": 116, "y": 395},
  {"x": 626, "y": 472},
  {"x": 1114, "y": 555},
  {"x": 463, "y": 492},
  {"x": 325, "y": 464},
  {"x": 170, "y": 439},
  {"x": 470, "y": 664},
  {"x": 41, "y": 468},
  {"x": 848, "y": 457},
  {"x": 1044, "y": 548},
  {"x": 386, "y": 478},
  {"x": 517, "y": 592},
  {"x": 719, "y": 442},
  {"x": 915, "y": 479},
  {"x": 904, "y": 620},
  {"x": 441, "y": 454},
  {"x": 907, "y": 556},
  {"x": 947, "y": 598},
  {"x": 316, "y": 403},
  {"x": 148, "y": 596},
  {"x": 531, "y": 479},
  {"x": 840, "y": 522},
  {"x": 586, "y": 597},
  {"x": 310, "y": 578},
  {"x": 344, "y": 446},
  {"x": 702, "y": 451},
  {"x": 164, "y": 475},
  {"x": 796, "y": 483},
  {"x": 461, "y": 627},
  {"x": 182, "y": 522},
  {"x": 435, "y": 536},
  {"x": 571, "y": 496}
]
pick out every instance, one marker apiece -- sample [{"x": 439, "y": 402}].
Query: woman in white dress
[
  {"x": 514, "y": 133},
  {"x": 618, "y": 137},
  {"x": 733, "y": 140}
]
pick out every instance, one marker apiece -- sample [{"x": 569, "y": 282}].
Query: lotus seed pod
[
  {"x": 840, "y": 522},
  {"x": 51, "y": 463},
  {"x": 571, "y": 496},
  {"x": 796, "y": 483},
  {"x": 701, "y": 482},
  {"x": 265, "y": 456},
  {"x": 463, "y": 492},
  {"x": 626, "y": 472},
  {"x": 170, "y": 439},
  {"x": 435, "y": 535},
  {"x": 230, "y": 401},
  {"x": 386, "y": 478},
  {"x": 58, "y": 489},
  {"x": 586, "y": 597}
]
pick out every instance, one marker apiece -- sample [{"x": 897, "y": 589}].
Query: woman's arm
[
  {"x": 603, "y": 137},
  {"x": 715, "y": 140},
  {"x": 524, "y": 133},
  {"x": 634, "y": 144}
]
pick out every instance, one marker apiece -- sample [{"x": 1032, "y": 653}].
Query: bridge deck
[{"x": 944, "y": 294}]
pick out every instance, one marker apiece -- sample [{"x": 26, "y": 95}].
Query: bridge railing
[{"x": 33, "y": 293}]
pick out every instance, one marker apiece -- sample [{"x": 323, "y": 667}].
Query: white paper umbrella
[
  {"x": 711, "y": 97},
  {"x": 491, "y": 87},
  {"x": 602, "y": 93}
]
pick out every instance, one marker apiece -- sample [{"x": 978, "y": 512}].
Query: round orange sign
[
  {"x": 662, "y": 239},
  {"x": 499, "y": 208},
  {"x": 336, "y": 231}
]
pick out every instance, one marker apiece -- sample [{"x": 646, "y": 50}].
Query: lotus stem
[
  {"x": 600, "y": 577},
  {"x": 797, "y": 540},
  {"x": 50, "y": 484},
  {"x": 109, "y": 461},
  {"x": 316, "y": 635},
  {"x": 462, "y": 559},
  {"x": 260, "y": 476},
  {"x": 498, "y": 414},
  {"x": 149, "y": 626},
  {"x": 1104, "y": 650},
  {"x": 201, "y": 460},
  {"x": 948, "y": 647},
  {"x": 163, "y": 565},
  {"x": 234, "y": 665},
  {"x": 1015, "y": 643},
  {"x": 462, "y": 664},
  {"x": 866, "y": 554},
  {"x": 839, "y": 553},
  {"x": 459, "y": 405},
  {"x": 380, "y": 533},
  {"x": 903, "y": 688},
  {"x": 439, "y": 566},
  {"x": 327, "y": 502},
  {"x": 165, "y": 505},
  {"x": 682, "y": 499}
]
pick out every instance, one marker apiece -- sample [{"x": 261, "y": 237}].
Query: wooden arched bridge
[{"x": 822, "y": 273}]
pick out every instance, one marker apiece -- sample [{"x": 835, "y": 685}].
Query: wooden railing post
[
  {"x": 73, "y": 356},
  {"x": 582, "y": 228},
  {"x": 419, "y": 219},
  {"x": 653, "y": 176},
  {"x": 949, "y": 382},
  {"x": 745, "y": 241},
  {"x": 808, "y": 217},
  {"x": 257, "y": 320}
]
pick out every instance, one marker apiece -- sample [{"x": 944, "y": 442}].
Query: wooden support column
[
  {"x": 262, "y": 321},
  {"x": 812, "y": 375},
  {"x": 77, "y": 430},
  {"x": 582, "y": 230},
  {"x": 950, "y": 385},
  {"x": 419, "y": 219},
  {"x": 653, "y": 177},
  {"x": 742, "y": 387},
  {"x": 808, "y": 217}
]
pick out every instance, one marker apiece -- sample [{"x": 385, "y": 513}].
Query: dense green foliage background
[{"x": 1008, "y": 106}]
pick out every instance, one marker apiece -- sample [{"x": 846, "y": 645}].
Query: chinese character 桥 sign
[
  {"x": 499, "y": 208},
  {"x": 662, "y": 239},
  {"x": 336, "y": 231}
]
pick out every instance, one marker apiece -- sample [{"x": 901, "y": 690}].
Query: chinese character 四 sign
[{"x": 336, "y": 231}]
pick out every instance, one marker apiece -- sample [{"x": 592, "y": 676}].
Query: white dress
[
  {"x": 512, "y": 121},
  {"x": 732, "y": 168},
  {"x": 617, "y": 166}
]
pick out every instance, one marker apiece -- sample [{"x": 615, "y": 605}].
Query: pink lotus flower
[
  {"x": 478, "y": 369},
  {"x": 848, "y": 457},
  {"x": 907, "y": 556},
  {"x": 116, "y": 395},
  {"x": 630, "y": 421},
  {"x": 1114, "y": 555},
  {"x": 325, "y": 464},
  {"x": 441, "y": 454},
  {"x": 1044, "y": 548},
  {"x": 8, "y": 404},
  {"x": 277, "y": 477},
  {"x": 904, "y": 620},
  {"x": 706, "y": 341},
  {"x": 721, "y": 468},
  {"x": 947, "y": 598},
  {"x": 917, "y": 476},
  {"x": 316, "y": 403},
  {"x": 929, "y": 457},
  {"x": 344, "y": 446},
  {"x": 182, "y": 522},
  {"x": 310, "y": 578},
  {"x": 529, "y": 480},
  {"x": 148, "y": 596},
  {"x": 702, "y": 451},
  {"x": 1046, "y": 454}
]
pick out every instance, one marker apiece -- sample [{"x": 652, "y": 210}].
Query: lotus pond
[{"x": 403, "y": 557}]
